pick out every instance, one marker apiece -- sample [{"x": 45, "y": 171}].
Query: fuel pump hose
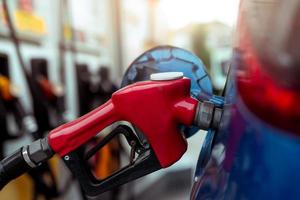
[{"x": 23, "y": 160}]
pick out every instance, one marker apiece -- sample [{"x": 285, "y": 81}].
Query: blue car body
[
  {"x": 254, "y": 154},
  {"x": 250, "y": 159}
]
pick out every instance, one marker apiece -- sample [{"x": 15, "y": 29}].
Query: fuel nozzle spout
[{"x": 208, "y": 115}]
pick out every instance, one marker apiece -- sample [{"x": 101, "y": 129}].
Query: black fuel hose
[
  {"x": 23, "y": 160},
  {"x": 12, "y": 167}
]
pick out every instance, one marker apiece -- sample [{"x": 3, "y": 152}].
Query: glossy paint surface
[
  {"x": 250, "y": 159},
  {"x": 157, "y": 108},
  {"x": 256, "y": 149}
]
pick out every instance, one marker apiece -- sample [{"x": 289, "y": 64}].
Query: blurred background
[{"x": 76, "y": 52}]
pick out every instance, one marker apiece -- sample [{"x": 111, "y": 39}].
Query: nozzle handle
[{"x": 68, "y": 137}]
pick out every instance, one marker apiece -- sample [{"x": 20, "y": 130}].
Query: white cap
[{"x": 166, "y": 76}]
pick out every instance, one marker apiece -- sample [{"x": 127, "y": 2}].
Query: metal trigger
[{"x": 132, "y": 152}]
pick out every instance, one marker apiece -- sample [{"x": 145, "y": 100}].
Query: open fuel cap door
[{"x": 172, "y": 59}]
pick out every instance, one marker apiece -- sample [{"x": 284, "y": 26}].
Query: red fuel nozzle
[{"x": 156, "y": 108}]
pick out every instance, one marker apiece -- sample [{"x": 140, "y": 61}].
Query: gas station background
[{"x": 113, "y": 33}]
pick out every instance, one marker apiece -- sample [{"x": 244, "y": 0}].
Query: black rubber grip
[{"x": 12, "y": 167}]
